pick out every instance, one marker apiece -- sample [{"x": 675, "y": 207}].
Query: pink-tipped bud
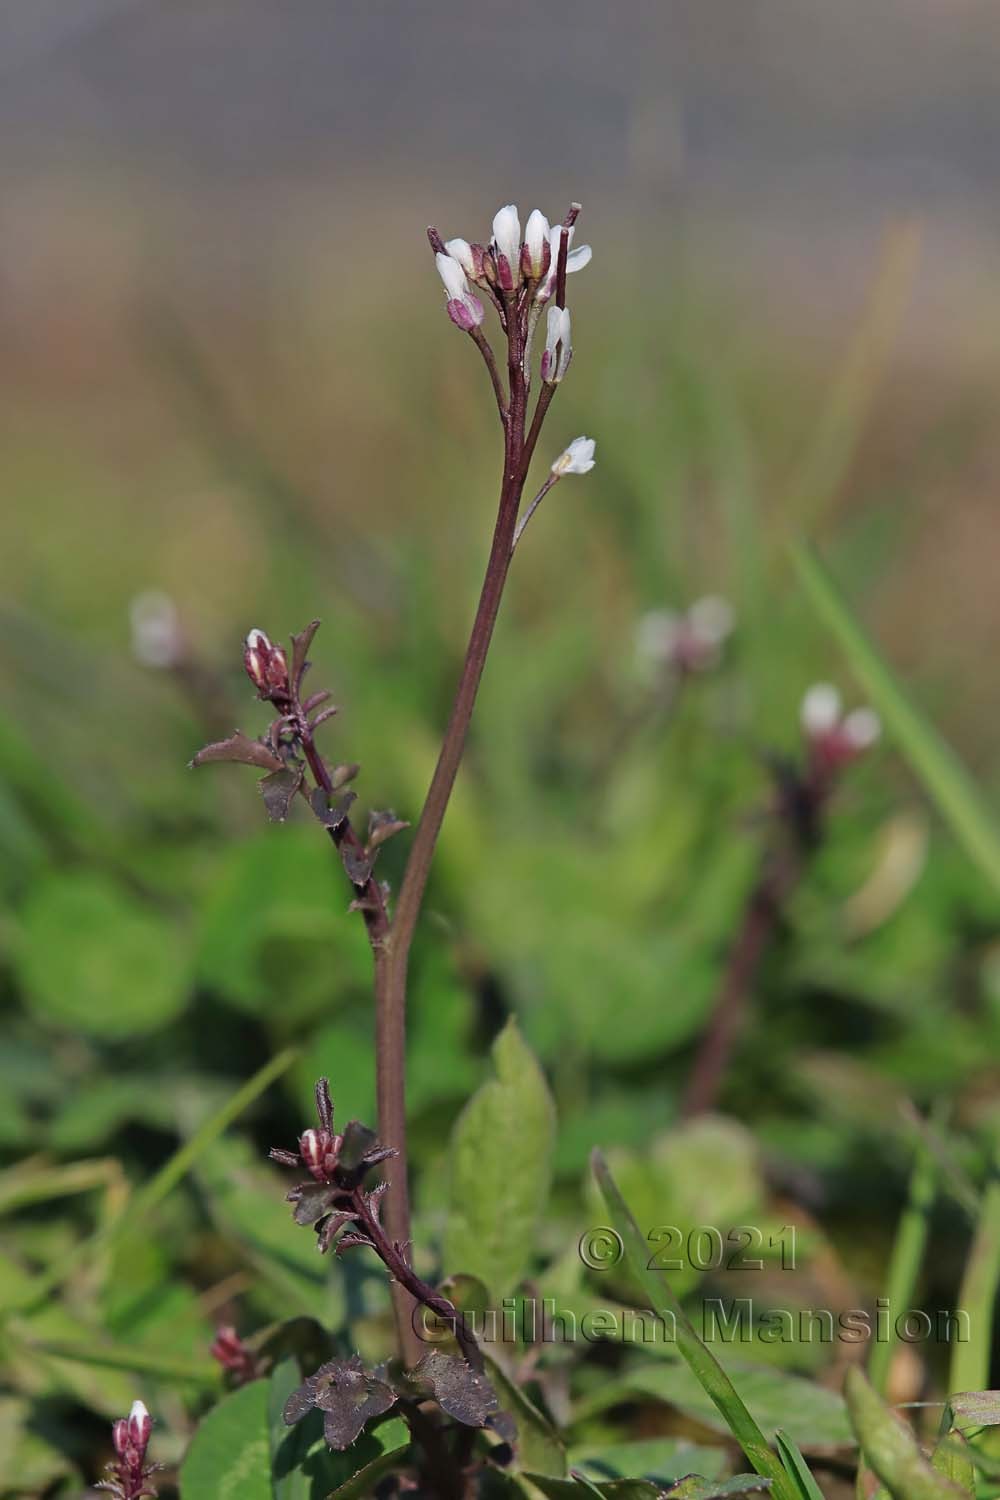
[
  {"x": 266, "y": 666},
  {"x": 465, "y": 312},
  {"x": 507, "y": 247},
  {"x": 140, "y": 1425},
  {"x": 320, "y": 1151}
]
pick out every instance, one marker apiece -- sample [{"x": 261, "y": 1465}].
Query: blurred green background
[{"x": 226, "y": 375}]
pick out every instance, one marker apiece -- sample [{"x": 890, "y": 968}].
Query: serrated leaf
[
  {"x": 348, "y": 1395},
  {"x": 331, "y": 814},
  {"x": 458, "y": 1389},
  {"x": 230, "y": 1455},
  {"x": 241, "y": 749},
  {"x": 501, "y": 1164}
]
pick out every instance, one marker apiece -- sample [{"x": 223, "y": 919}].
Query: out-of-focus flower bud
[
  {"x": 536, "y": 253},
  {"x": 157, "y": 640},
  {"x": 578, "y": 458},
  {"x": 834, "y": 738},
  {"x": 119, "y": 1436},
  {"x": 688, "y": 642},
  {"x": 558, "y": 349},
  {"x": 464, "y": 310},
  {"x": 507, "y": 247},
  {"x": 266, "y": 666}
]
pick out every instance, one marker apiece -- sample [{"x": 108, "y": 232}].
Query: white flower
[
  {"x": 577, "y": 459},
  {"x": 557, "y": 337},
  {"x": 452, "y": 274},
  {"x": 536, "y": 244},
  {"x": 820, "y": 711},
  {"x": 461, "y": 251},
  {"x": 862, "y": 728}
]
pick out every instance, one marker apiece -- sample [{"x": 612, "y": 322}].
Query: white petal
[
  {"x": 862, "y": 728},
  {"x": 656, "y": 635},
  {"x": 711, "y": 618},
  {"x": 820, "y": 711},
  {"x": 452, "y": 275},
  {"x": 461, "y": 251},
  {"x": 507, "y": 234},
  {"x": 536, "y": 234},
  {"x": 578, "y": 258},
  {"x": 577, "y": 459},
  {"x": 138, "y": 1412}
]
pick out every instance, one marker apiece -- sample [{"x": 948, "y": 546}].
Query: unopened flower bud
[
  {"x": 140, "y": 1425},
  {"x": 558, "y": 349},
  {"x": 536, "y": 253},
  {"x": 320, "y": 1151},
  {"x": 464, "y": 310},
  {"x": 578, "y": 458},
  {"x": 836, "y": 739},
  {"x": 266, "y": 666},
  {"x": 119, "y": 1436},
  {"x": 461, "y": 251},
  {"x": 507, "y": 247}
]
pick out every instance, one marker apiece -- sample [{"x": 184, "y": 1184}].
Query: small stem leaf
[
  {"x": 383, "y": 826},
  {"x": 278, "y": 790},
  {"x": 458, "y": 1389},
  {"x": 300, "y": 650},
  {"x": 243, "y": 750},
  {"x": 331, "y": 814}
]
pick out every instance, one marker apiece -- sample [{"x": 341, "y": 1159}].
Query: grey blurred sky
[{"x": 901, "y": 93}]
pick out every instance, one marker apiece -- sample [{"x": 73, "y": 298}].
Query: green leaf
[
  {"x": 230, "y": 1456},
  {"x": 705, "y": 1367},
  {"x": 663, "y": 1460},
  {"x": 501, "y": 1163},
  {"x": 969, "y": 1410},
  {"x": 538, "y": 1445},
  {"x": 811, "y": 1415},
  {"x": 93, "y": 958},
  {"x": 797, "y": 1467},
  {"x": 612, "y": 1489},
  {"x": 694, "y": 1487},
  {"x": 953, "y": 1459},
  {"x": 948, "y": 782},
  {"x": 389, "y": 1445},
  {"x": 970, "y": 1360},
  {"x": 890, "y": 1448}
]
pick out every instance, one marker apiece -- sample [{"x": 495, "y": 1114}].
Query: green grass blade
[
  {"x": 797, "y": 1468},
  {"x": 125, "y": 1357},
  {"x": 970, "y": 1361},
  {"x": 166, "y": 1179},
  {"x": 907, "y": 1255},
  {"x": 949, "y": 784},
  {"x": 713, "y": 1378}
]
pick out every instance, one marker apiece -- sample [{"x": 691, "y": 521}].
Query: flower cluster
[
  {"x": 130, "y": 1473},
  {"x": 510, "y": 265},
  {"x": 834, "y": 738}
]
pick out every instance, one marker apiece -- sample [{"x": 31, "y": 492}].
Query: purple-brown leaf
[
  {"x": 278, "y": 791},
  {"x": 241, "y": 749}
]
